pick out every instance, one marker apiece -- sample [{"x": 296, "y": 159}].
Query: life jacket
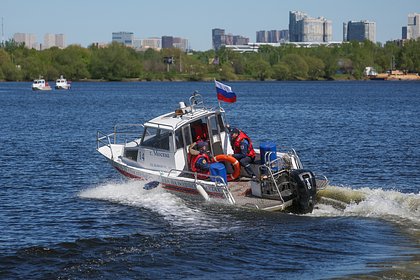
[
  {"x": 195, "y": 169},
  {"x": 236, "y": 144}
]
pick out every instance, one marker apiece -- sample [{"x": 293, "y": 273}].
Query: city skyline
[{"x": 94, "y": 21}]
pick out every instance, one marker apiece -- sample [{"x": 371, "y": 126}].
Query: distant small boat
[
  {"x": 40, "y": 84},
  {"x": 62, "y": 83}
]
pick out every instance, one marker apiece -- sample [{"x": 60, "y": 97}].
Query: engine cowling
[{"x": 304, "y": 189}]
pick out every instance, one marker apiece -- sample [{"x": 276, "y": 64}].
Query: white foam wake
[
  {"x": 169, "y": 206},
  {"x": 377, "y": 203}
]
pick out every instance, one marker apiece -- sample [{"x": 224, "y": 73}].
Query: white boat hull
[
  {"x": 62, "y": 87},
  {"x": 238, "y": 193},
  {"x": 41, "y": 88}
]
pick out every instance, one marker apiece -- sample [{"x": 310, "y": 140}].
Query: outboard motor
[{"x": 304, "y": 184}]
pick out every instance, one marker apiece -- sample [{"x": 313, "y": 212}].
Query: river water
[{"x": 66, "y": 214}]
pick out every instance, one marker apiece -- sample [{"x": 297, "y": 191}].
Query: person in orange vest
[
  {"x": 243, "y": 149},
  {"x": 200, "y": 162}
]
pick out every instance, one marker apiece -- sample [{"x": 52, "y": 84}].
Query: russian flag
[{"x": 224, "y": 92}]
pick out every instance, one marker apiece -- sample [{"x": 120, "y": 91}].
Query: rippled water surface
[{"x": 66, "y": 214}]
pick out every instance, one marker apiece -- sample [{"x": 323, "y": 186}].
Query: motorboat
[
  {"x": 159, "y": 152},
  {"x": 40, "y": 84},
  {"x": 62, "y": 83}
]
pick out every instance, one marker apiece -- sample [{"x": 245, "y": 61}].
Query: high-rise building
[
  {"x": 240, "y": 40},
  {"x": 262, "y": 36},
  {"x": 53, "y": 40},
  {"x": 345, "y": 31},
  {"x": 294, "y": 18},
  {"x": 359, "y": 31},
  {"x": 284, "y": 35},
  {"x": 49, "y": 41},
  {"x": 167, "y": 42},
  {"x": 60, "y": 41},
  {"x": 180, "y": 43},
  {"x": 412, "y": 30},
  {"x": 125, "y": 38},
  {"x": 272, "y": 36},
  {"x": 153, "y": 43},
  {"x": 218, "y": 38},
  {"x": 28, "y": 39},
  {"x": 306, "y": 29}
]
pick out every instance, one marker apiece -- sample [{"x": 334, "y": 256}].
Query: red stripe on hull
[
  {"x": 129, "y": 175},
  {"x": 170, "y": 186}
]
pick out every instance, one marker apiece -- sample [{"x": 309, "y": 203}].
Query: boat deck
[{"x": 241, "y": 192}]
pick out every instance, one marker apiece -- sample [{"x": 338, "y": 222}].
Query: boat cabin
[
  {"x": 166, "y": 139},
  {"x": 39, "y": 83}
]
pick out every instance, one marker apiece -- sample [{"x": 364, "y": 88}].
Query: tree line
[{"x": 116, "y": 62}]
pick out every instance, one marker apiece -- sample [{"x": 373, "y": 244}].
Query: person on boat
[
  {"x": 243, "y": 149},
  {"x": 199, "y": 131},
  {"x": 200, "y": 160}
]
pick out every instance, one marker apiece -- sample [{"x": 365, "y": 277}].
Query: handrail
[
  {"x": 100, "y": 137},
  {"x": 196, "y": 101},
  {"x": 281, "y": 161},
  {"x": 161, "y": 124},
  {"x": 218, "y": 180},
  {"x": 128, "y": 125},
  {"x": 300, "y": 165},
  {"x": 321, "y": 177},
  {"x": 273, "y": 179}
]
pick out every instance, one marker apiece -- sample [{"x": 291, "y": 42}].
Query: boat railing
[
  {"x": 124, "y": 133},
  {"x": 321, "y": 181},
  {"x": 289, "y": 159},
  {"x": 103, "y": 139},
  {"x": 272, "y": 174},
  {"x": 279, "y": 165},
  {"x": 196, "y": 101},
  {"x": 218, "y": 181}
]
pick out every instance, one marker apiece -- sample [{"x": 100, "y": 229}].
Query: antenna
[{"x": 2, "y": 31}]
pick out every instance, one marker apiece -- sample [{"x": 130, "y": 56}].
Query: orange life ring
[{"x": 235, "y": 164}]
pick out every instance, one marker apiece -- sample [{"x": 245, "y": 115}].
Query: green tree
[
  {"x": 114, "y": 63},
  {"x": 258, "y": 68},
  {"x": 409, "y": 58},
  {"x": 281, "y": 71},
  {"x": 227, "y": 73},
  {"x": 297, "y": 66},
  {"x": 315, "y": 67}
]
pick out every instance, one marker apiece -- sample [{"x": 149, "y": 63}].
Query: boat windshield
[{"x": 156, "y": 138}]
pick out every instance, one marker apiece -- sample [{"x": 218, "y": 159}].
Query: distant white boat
[
  {"x": 62, "y": 83},
  {"x": 40, "y": 84}
]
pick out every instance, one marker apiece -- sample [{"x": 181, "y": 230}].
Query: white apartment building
[{"x": 28, "y": 39}]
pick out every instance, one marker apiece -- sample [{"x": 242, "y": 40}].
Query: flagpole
[{"x": 218, "y": 101}]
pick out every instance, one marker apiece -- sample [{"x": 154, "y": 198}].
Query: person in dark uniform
[{"x": 243, "y": 149}]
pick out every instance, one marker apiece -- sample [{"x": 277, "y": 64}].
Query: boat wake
[
  {"x": 401, "y": 208},
  {"x": 171, "y": 207}
]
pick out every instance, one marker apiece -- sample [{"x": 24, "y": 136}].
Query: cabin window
[
  {"x": 178, "y": 139},
  {"x": 131, "y": 154},
  {"x": 199, "y": 130},
  {"x": 187, "y": 135},
  {"x": 156, "y": 138},
  {"x": 221, "y": 122},
  {"x": 213, "y": 125}
]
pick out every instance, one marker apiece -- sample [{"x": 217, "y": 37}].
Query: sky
[{"x": 86, "y": 21}]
